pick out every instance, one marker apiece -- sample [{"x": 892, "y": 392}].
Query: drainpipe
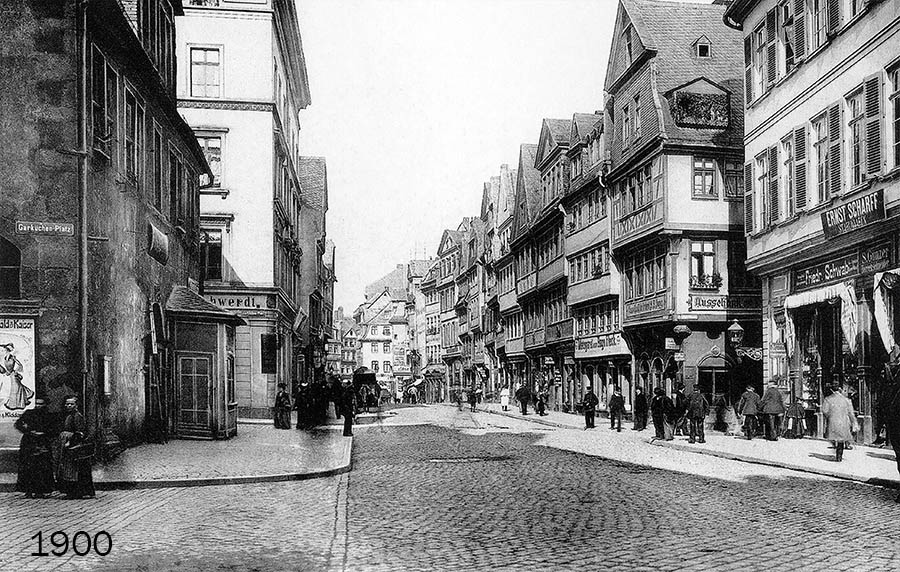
[{"x": 83, "y": 95}]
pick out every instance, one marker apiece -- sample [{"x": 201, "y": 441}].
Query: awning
[
  {"x": 844, "y": 291},
  {"x": 884, "y": 305}
]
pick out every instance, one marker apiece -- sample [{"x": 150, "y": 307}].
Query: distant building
[{"x": 821, "y": 193}]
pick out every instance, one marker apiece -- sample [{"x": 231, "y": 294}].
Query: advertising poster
[{"x": 17, "y": 380}]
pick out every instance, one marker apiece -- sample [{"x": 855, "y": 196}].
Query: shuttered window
[
  {"x": 763, "y": 188},
  {"x": 855, "y": 138},
  {"x": 788, "y": 190},
  {"x": 894, "y": 75},
  {"x": 748, "y": 199},
  {"x": 874, "y": 110},
  {"x": 748, "y": 68},
  {"x": 799, "y": 29},
  {"x": 835, "y": 125},
  {"x": 774, "y": 198},
  {"x": 820, "y": 156},
  {"x": 771, "y": 47},
  {"x": 800, "y": 167}
]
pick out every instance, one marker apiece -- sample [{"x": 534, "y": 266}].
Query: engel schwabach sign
[{"x": 854, "y": 214}]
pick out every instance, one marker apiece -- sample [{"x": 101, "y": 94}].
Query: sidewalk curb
[
  {"x": 877, "y": 481},
  {"x": 212, "y": 481}
]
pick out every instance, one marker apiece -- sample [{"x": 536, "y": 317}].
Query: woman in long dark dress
[
  {"x": 282, "y": 408},
  {"x": 74, "y": 477},
  {"x": 35, "y": 453}
]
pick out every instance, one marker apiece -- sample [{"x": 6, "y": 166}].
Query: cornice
[{"x": 230, "y": 105}]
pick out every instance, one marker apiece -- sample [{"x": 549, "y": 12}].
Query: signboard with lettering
[
  {"x": 646, "y": 306},
  {"x": 246, "y": 302},
  {"x": 866, "y": 260},
  {"x": 678, "y": 356},
  {"x": 45, "y": 228},
  {"x": 16, "y": 367},
  {"x": 859, "y": 212},
  {"x": 719, "y": 302},
  {"x": 598, "y": 346}
]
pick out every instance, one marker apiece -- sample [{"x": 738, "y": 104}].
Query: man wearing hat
[
  {"x": 35, "y": 456},
  {"x": 840, "y": 420},
  {"x": 589, "y": 405}
]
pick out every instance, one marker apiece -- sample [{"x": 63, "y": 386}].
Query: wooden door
[{"x": 194, "y": 393}]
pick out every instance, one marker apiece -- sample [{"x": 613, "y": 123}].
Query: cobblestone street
[{"x": 481, "y": 492}]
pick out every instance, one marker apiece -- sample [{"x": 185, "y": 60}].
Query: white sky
[{"x": 415, "y": 103}]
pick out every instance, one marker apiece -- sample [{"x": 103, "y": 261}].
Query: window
[
  {"x": 134, "y": 136},
  {"x": 10, "y": 270},
  {"x": 703, "y": 265},
  {"x": 760, "y": 65},
  {"x": 104, "y": 103},
  {"x": 787, "y": 174},
  {"x": 703, "y": 50},
  {"x": 205, "y": 72},
  {"x": 386, "y": 347},
  {"x": 175, "y": 187},
  {"x": 734, "y": 182},
  {"x": 268, "y": 345},
  {"x": 386, "y": 330},
  {"x": 820, "y": 154},
  {"x": 646, "y": 272},
  {"x": 387, "y": 367},
  {"x": 158, "y": 168},
  {"x": 374, "y": 347},
  {"x": 626, "y": 126},
  {"x": 762, "y": 186},
  {"x": 787, "y": 35},
  {"x": 375, "y": 366},
  {"x": 629, "y": 47},
  {"x": 856, "y": 125},
  {"x": 705, "y": 178},
  {"x": 374, "y": 330},
  {"x": 636, "y": 120},
  {"x": 211, "y": 254},
  {"x": 212, "y": 150},
  {"x": 895, "y": 106},
  {"x": 820, "y": 23}
]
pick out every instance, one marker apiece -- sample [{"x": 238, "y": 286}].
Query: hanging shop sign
[
  {"x": 671, "y": 344},
  {"x": 858, "y": 213},
  {"x": 16, "y": 367},
  {"x": 718, "y": 302},
  {"x": 865, "y": 260},
  {"x": 45, "y": 228},
  {"x": 598, "y": 346},
  {"x": 679, "y": 356},
  {"x": 247, "y": 302}
]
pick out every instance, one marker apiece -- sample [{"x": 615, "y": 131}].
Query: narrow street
[{"x": 435, "y": 488}]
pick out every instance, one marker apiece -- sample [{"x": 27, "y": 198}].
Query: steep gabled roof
[
  {"x": 449, "y": 239},
  {"x": 554, "y": 133},
  {"x": 528, "y": 188},
  {"x": 394, "y": 283},
  {"x": 418, "y": 267},
  {"x": 582, "y": 126}
]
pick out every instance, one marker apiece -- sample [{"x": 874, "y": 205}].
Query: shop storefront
[{"x": 603, "y": 362}]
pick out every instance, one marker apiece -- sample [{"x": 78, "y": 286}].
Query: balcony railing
[
  {"x": 526, "y": 283},
  {"x": 559, "y": 331},
  {"x": 706, "y": 281}
]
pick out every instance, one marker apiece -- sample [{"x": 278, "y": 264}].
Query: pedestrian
[
  {"x": 641, "y": 407},
  {"x": 473, "y": 400},
  {"x": 749, "y": 406},
  {"x": 660, "y": 408},
  {"x": 890, "y": 406},
  {"x": 697, "y": 410},
  {"x": 35, "y": 451},
  {"x": 282, "y": 408},
  {"x": 679, "y": 411},
  {"x": 74, "y": 478},
  {"x": 772, "y": 409},
  {"x": 840, "y": 420},
  {"x": 301, "y": 404},
  {"x": 523, "y": 396},
  {"x": 348, "y": 407},
  {"x": 540, "y": 402},
  {"x": 616, "y": 410},
  {"x": 504, "y": 398},
  {"x": 795, "y": 415},
  {"x": 589, "y": 405}
]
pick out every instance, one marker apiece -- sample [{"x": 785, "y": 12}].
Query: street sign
[
  {"x": 679, "y": 356},
  {"x": 45, "y": 228},
  {"x": 670, "y": 344}
]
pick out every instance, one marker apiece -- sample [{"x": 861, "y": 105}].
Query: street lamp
[{"x": 735, "y": 334}]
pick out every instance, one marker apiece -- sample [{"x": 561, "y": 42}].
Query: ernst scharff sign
[{"x": 854, "y": 214}]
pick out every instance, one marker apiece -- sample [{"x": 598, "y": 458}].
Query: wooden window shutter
[
  {"x": 771, "y": 52},
  {"x": 834, "y": 147},
  {"x": 773, "y": 185},
  {"x": 800, "y": 167},
  {"x": 834, "y": 14},
  {"x": 748, "y": 67},
  {"x": 873, "y": 106},
  {"x": 748, "y": 198},
  {"x": 799, "y": 29}
]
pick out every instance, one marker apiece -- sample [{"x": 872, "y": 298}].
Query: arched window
[{"x": 10, "y": 270}]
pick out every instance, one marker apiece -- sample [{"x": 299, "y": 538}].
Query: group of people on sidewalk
[
  {"x": 311, "y": 403},
  {"x": 55, "y": 452}
]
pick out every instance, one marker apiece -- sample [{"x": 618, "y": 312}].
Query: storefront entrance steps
[{"x": 862, "y": 464}]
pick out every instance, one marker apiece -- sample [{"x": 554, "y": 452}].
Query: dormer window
[
  {"x": 702, "y": 47},
  {"x": 629, "y": 54}
]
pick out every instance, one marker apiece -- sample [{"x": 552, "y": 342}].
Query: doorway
[{"x": 193, "y": 388}]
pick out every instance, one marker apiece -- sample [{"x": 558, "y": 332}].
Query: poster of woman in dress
[{"x": 16, "y": 366}]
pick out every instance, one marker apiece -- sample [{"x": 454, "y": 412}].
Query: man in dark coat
[
  {"x": 749, "y": 407},
  {"x": 74, "y": 476},
  {"x": 35, "y": 451},
  {"x": 348, "y": 407},
  {"x": 641, "y": 408},
  {"x": 589, "y": 405},
  {"x": 660, "y": 407},
  {"x": 616, "y": 410},
  {"x": 523, "y": 396},
  {"x": 282, "y": 408},
  {"x": 889, "y": 405},
  {"x": 772, "y": 410},
  {"x": 697, "y": 410}
]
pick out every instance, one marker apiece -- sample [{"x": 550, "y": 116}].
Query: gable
[
  {"x": 545, "y": 145},
  {"x": 640, "y": 41},
  {"x": 446, "y": 243},
  {"x": 700, "y": 103}
]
